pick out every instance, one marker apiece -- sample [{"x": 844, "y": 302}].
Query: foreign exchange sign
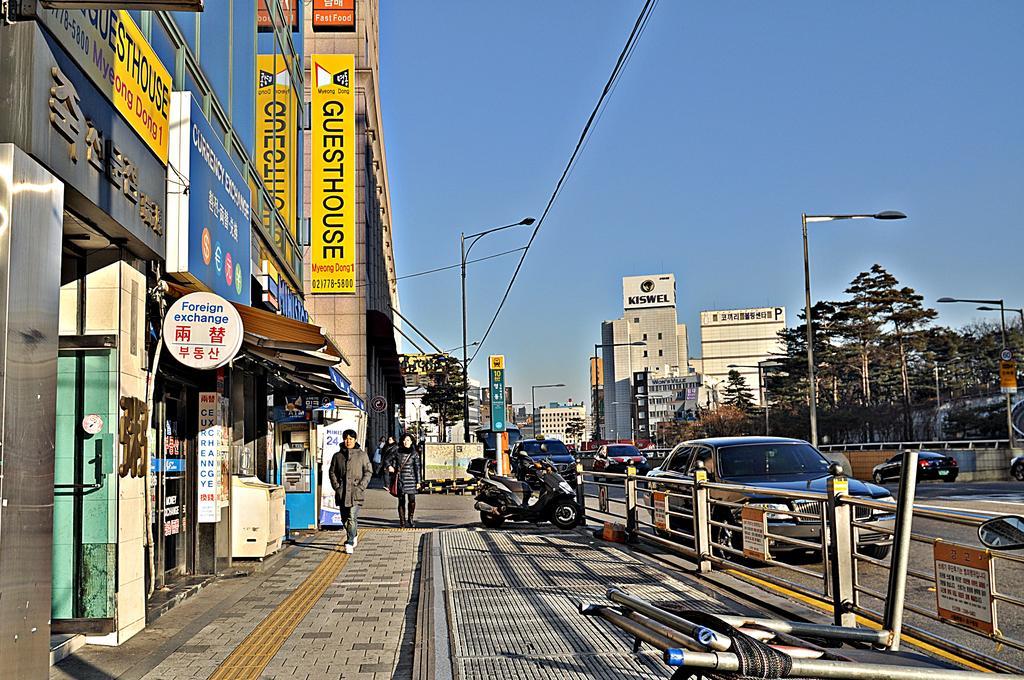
[
  {"x": 114, "y": 54},
  {"x": 203, "y": 331},
  {"x": 963, "y": 586},
  {"x": 333, "y": 201},
  {"x": 209, "y": 470}
]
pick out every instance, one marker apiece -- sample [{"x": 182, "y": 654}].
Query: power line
[
  {"x": 451, "y": 266},
  {"x": 627, "y": 51}
]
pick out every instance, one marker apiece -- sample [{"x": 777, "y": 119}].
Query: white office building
[
  {"x": 742, "y": 337},
  {"x": 555, "y": 419},
  {"x": 649, "y": 317}
]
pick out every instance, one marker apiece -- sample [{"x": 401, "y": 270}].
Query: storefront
[{"x": 109, "y": 232}]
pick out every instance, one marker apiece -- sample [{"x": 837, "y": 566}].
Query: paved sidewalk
[{"x": 318, "y": 612}]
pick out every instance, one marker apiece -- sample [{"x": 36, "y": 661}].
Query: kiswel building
[{"x": 648, "y": 338}]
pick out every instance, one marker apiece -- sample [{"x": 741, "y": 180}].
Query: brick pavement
[{"x": 361, "y": 627}]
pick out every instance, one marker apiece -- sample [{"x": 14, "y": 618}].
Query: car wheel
[
  {"x": 565, "y": 514},
  {"x": 878, "y": 552},
  {"x": 732, "y": 537},
  {"x": 1018, "y": 472},
  {"x": 492, "y": 521},
  {"x": 878, "y": 478}
]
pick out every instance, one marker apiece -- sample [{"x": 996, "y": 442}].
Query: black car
[
  {"x": 931, "y": 465},
  {"x": 615, "y": 458},
  {"x": 551, "y": 450}
]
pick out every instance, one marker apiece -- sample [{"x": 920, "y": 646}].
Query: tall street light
[
  {"x": 533, "y": 403},
  {"x": 812, "y": 397},
  {"x": 1005, "y": 309},
  {"x": 1002, "y": 327},
  {"x": 597, "y": 408},
  {"x": 473, "y": 238},
  {"x": 762, "y": 384}
]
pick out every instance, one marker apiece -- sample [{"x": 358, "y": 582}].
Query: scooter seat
[{"x": 521, "y": 489}]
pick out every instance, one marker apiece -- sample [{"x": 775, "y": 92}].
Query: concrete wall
[{"x": 975, "y": 465}]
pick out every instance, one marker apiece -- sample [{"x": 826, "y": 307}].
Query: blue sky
[{"x": 731, "y": 119}]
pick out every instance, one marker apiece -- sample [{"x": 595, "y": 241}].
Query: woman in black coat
[{"x": 404, "y": 462}]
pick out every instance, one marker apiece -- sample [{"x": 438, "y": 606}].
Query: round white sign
[
  {"x": 92, "y": 423},
  {"x": 203, "y": 330},
  {"x": 1006, "y": 355}
]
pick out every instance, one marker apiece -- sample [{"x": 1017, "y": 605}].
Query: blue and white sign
[{"x": 208, "y": 226}]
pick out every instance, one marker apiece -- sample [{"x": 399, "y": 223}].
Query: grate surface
[{"x": 513, "y": 601}]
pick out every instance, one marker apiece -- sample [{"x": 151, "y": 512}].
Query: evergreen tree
[
  {"x": 444, "y": 394},
  {"x": 737, "y": 393}
]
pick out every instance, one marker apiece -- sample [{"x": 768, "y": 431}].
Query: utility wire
[
  {"x": 451, "y": 266},
  {"x": 638, "y": 28}
]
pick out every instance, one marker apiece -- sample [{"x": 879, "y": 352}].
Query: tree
[
  {"x": 444, "y": 394},
  {"x": 724, "y": 421},
  {"x": 737, "y": 393},
  {"x": 575, "y": 428}
]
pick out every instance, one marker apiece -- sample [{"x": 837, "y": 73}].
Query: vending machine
[{"x": 298, "y": 475}]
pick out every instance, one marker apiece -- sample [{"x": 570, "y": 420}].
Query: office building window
[
  {"x": 645, "y": 354},
  {"x": 636, "y": 319},
  {"x": 659, "y": 336},
  {"x": 661, "y": 352},
  {"x": 645, "y": 336}
]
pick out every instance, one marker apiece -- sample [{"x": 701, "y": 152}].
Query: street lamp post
[
  {"x": 812, "y": 397},
  {"x": 473, "y": 238},
  {"x": 533, "y": 403},
  {"x": 597, "y": 409},
  {"x": 1002, "y": 327},
  {"x": 762, "y": 385}
]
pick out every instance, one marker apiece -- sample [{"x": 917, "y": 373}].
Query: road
[{"x": 973, "y": 498}]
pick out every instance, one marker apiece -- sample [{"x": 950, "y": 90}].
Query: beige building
[
  {"x": 362, "y": 324},
  {"x": 741, "y": 337},
  {"x": 555, "y": 419}
]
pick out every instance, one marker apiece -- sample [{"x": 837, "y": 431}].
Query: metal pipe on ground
[
  {"x": 816, "y": 668},
  {"x": 672, "y": 634},
  {"x": 705, "y": 636},
  {"x": 637, "y": 630},
  {"x": 874, "y": 637},
  {"x": 893, "y": 619}
]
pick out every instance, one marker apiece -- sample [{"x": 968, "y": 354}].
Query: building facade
[
  {"x": 647, "y": 338},
  {"x": 558, "y": 420},
  {"x": 741, "y": 337},
  {"x": 363, "y": 319}
]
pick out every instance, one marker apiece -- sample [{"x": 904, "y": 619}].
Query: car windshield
[
  {"x": 762, "y": 460},
  {"x": 623, "y": 451},
  {"x": 548, "y": 447}
]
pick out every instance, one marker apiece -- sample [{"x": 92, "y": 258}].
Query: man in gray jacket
[{"x": 350, "y": 474}]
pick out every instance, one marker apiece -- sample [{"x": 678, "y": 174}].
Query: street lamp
[
  {"x": 533, "y": 403},
  {"x": 1005, "y": 309},
  {"x": 812, "y": 397},
  {"x": 597, "y": 409},
  {"x": 1002, "y": 326},
  {"x": 473, "y": 238},
  {"x": 762, "y": 384}
]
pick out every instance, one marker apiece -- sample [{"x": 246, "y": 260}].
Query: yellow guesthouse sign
[
  {"x": 114, "y": 54},
  {"x": 276, "y": 125},
  {"x": 332, "y": 180}
]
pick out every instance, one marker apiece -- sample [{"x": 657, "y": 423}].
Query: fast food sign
[{"x": 203, "y": 331}]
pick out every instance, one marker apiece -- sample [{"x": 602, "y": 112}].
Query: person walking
[
  {"x": 350, "y": 474},
  {"x": 378, "y": 456},
  {"x": 404, "y": 469}
]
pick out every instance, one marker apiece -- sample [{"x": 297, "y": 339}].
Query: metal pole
[
  {"x": 763, "y": 388},
  {"x": 938, "y": 404},
  {"x": 1009, "y": 397},
  {"x": 597, "y": 406},
  {"x": 892, "y": 620},
  {"x": 533, "y": 409},
  {"x": 812, "y": 397},
  {"x": 701, "y": 634},
  {"x": 465, "y": 348}
]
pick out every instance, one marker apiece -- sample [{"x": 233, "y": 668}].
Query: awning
[{"x": 297, "y": 352}]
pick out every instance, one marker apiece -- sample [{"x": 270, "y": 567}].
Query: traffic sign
[
  {"x": 1008, "y": 377},
  {"x": 379, "y": 404},
  {"x": 1006, "y": 354},
  {"x": 496, "y": 362}
]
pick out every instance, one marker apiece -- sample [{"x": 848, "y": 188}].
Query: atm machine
[{"x": 297, "y": 473}]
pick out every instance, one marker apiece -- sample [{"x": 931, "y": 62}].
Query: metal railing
[
  {"x": 854, "y": 536},
  {"x": 953, "y": 445}
]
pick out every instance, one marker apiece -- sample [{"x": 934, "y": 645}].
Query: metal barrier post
[
  {"x": 893, "y": 619},
  {"x": 630, "y": 488},
  {"x": 701, "y": 519},
  {"x": 581, "y": 497},
  {"x": 840, "y": 548}
]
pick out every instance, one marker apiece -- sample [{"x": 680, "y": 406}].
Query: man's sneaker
[
  {"x": 355, "y": 541},
  {"x": 349, "y": 548}
]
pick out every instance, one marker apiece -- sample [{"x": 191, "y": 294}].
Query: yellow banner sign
[
  {"x": 1008, "y": 377},
  {"x": 114, "y": 54},
  {"x": 332, "y": 180},
  {"x": 276, "y": 126}
]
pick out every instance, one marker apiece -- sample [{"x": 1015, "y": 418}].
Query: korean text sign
[
  {"x": 209, "y": 225},
  {"x": 963, "y": 586},
  {"x": 209, "y": 470},
  {"x": 333, "y": 199},
  {"x": 112, "y": 51},
  {"x": 203, "y": 330}
]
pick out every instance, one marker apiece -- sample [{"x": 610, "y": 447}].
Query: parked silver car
[{"x": 771, "y": 463}]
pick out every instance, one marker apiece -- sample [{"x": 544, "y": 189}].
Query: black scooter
[{"x": 502, "y": 498}]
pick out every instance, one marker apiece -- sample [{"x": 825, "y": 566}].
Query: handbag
[{"x": 393, "y": 487}]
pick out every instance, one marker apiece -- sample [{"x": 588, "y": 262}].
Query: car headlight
[{"x": 774, "y": 506}]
